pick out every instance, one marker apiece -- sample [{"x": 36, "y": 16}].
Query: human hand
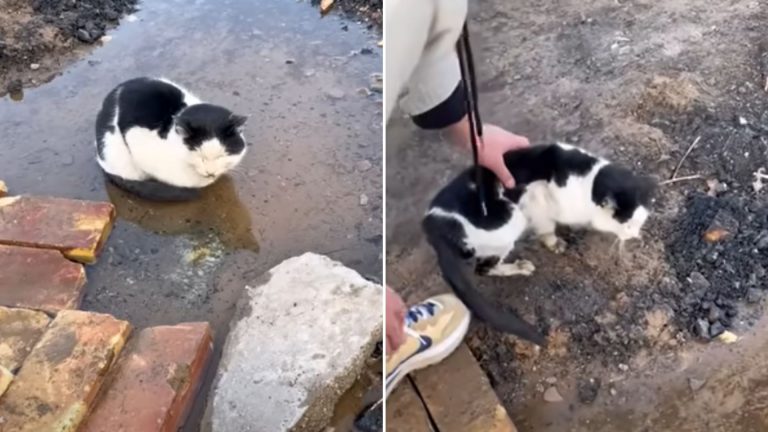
[
  {"x": 496, "y": 141},
  {"x": 395, "y": 320}
]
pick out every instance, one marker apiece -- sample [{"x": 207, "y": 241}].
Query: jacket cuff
[{"x": 447, "y": 113}]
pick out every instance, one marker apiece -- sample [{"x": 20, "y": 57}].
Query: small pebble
[
  {"x": 552, "y": 395},
  {"x": 363, "y": 199},
  {"x": 84, "y": 36},
  {"x": 335, "y": 93},
  {"x": 290, "y": 61},
  {"x": 623, "y": 367},
  {"x": 364, "y": 165},
  {"x": 34, "y": 66},
  {"x": 696, "y": 384},
  {"x": 377, "y": 82},
  {"x": 716, "y": 330},
  {"x": 753, "y": 295},
  {"x": 551, "y": 380},
  {"x": 701, "y": 328}
]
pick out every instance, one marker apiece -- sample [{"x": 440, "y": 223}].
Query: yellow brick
[{"x": 59, "y": 380}]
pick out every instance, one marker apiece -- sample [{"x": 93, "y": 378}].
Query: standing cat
[
  {"x": 557, "y": 184},
  {"x": 157, "y": 140}
]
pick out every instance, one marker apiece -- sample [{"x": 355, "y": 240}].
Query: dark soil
[
  {"x": 38, "y": 36},
  {"x": 637, "y": 82},
  {"x": 368, "y": 11}
]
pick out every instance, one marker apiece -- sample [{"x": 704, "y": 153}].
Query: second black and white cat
[
  {"x": 557, "y": 184},
  {"x": 159, "y": 141}
]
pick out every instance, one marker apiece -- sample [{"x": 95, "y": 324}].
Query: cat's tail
[
  {"x": 154, "y": 190},
  {"x": 454, "y": 268}
]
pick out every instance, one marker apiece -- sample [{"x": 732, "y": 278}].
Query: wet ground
[
  {"x": 637, "y": 82},
  {"x": 310, "y": 182}
]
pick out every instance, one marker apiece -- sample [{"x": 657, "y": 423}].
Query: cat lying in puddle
[
  {"x": 557, "y": 184},
  {"x": 160, "y": 142}
]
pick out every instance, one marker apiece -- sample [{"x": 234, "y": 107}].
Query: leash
[{"x": 468, "y": 81}]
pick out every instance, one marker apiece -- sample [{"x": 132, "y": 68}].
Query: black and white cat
[
  {"x": 159, "y": 141},
  {"x": 556, "y": 184}
]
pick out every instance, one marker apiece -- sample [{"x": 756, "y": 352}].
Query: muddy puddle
[
  {"x": 631, "y": 336},
  {"x": 310, "y": 182}
]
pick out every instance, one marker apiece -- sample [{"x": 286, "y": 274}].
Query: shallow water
[{"x": 298, "y": 189}]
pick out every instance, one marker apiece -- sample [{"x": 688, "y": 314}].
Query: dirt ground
[
  {"x": 637, "y": 82},
  {"x": 38, "y": 37},
  {"x": 368, "y": 11}
]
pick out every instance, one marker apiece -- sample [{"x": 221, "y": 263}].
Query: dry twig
[
  {"x": 680, "y": 179},
  {"x": 679, "y": 164}
]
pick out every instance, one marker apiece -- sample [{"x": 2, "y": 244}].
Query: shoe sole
[{"x": 432, "y": 356}]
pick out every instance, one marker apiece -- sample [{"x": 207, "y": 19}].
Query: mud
[
  {"x": 38, "y": 37},
  {"x": 369, "y": 12},
  {"x": 637, "y": 82},
  {"x": 315, "y": 150}
]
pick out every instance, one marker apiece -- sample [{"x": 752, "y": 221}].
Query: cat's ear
[
  {"x": 181, "y": 129},
  {"x": 238, "y": 121}
]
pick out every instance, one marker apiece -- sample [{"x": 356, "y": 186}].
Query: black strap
[{"x": 466, "y": 63}]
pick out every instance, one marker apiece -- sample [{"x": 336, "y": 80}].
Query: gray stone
[
  {"x": 334, "y": 93},
  {"x": 376, "y": 83},
  {"x": 301, "y": 336},
  {"x": 552, "y": 395},
  {"x": 696, "y": 384}
]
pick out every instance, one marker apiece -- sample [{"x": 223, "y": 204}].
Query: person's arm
[
  {"x": 422, "y": 67},
  {"x": 423, "y": 73}
]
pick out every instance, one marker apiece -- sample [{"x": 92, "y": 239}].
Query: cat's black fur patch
[
  {"x": 484, "y": 265},
  {"x": 548, "y": 162},
  {"x": 623, "y": 189},
  {"x": 461, "y": 196},
  {"x": 148, "y": 103},
  {"x": 104, "y": 120},
  {"x": 206, "y": 121},
  {"x": 445, "y": 235}
]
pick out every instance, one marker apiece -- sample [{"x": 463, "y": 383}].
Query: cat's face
[
  {"x": 211, "y": 160},
  {"x": 623, "y": 201},
  {"x": 605, "y": 220},
  {"x": 214, "y": 137}
]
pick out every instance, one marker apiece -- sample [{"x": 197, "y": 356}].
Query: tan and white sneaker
[{"x": 435, "y": 328}]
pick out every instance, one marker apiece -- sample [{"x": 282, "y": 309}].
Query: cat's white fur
[{"x": 167, "y": 160}]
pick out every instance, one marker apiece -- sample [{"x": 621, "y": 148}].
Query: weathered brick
[
  {"x": 77, "y": 228},
  {"x": 155, "y": 381},
  {"x": 20, "y": 329},
  {"x": 39, "y": 279},
  {"x": 475, "y": 408},
  {"x": 405, "y": 411},
  {"x": 58, "y": 382}
]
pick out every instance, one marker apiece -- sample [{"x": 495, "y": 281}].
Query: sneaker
[{"x": 434, "y": 329}]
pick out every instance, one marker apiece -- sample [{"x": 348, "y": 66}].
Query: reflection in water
[{"x": 217, "y": 211}]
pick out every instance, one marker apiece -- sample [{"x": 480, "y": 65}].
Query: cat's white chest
[
  {"x": 163, "y": 159},
  {"x": 497, "y": 242}
]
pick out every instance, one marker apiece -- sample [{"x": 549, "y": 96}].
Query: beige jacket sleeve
[{"x": 421, "y": 65}]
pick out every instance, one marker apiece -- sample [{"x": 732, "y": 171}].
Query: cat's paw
[
  {"x": 524, "y": 267},
  {"x": 554, "y": 243},
  {"x": 519, "y": 267}
]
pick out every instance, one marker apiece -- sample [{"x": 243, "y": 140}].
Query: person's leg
[{"x": 433, "y": 329}]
